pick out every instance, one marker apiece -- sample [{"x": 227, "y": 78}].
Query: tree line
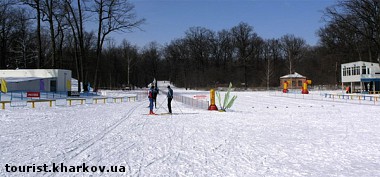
[{"x": 52, "y": 34}]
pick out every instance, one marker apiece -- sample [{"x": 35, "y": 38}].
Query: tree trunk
[
  {"x": 39, "y": 62},
  {"x": 3, "y": 54},
  {"x": 245, "y": 74},
  {"x": 52, "y": 33},
  {"x": 98, "y": 45},
  {"x": 81, "y": 46},
  {"x": 60, "y": 49}
]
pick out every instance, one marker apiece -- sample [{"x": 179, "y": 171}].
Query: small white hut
[{"x": 48, "y": 80}]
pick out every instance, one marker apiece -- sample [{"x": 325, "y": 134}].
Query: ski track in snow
[
  {"x": 263, "y": 135},
  {"x": 70, "y": 157}
]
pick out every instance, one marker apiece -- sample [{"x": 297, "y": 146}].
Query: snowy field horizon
[{"x": 263, "y": 134}]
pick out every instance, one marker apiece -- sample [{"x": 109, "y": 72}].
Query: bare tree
[
  {"x": 49, "y": 10},
  {"x": 7, "y": 24},
  {"x": 151, "y": 55},
  {"x": 75, "y": 18},
  {"x": 36, "y": 4},
  {"x": 199, "y": 41},
  {"x": 269, "y": 53},
  {"x": 176, "y": 54},
  {"x": 293, "y": 48},
  {"x": 130, "y": 54},
  {"x": 243, "y": 34},
  {"x": 360, "y": 17},
  {"x": 113, "y": 15},
  {"x": 23, "y": 50},
  {"x": 224, "y": 56}
]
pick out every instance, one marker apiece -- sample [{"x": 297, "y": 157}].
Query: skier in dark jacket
[
  {"x": 155, "y": 93},
  {"x": 170, "y": 97},
  {"x": 150, "y": 96}
]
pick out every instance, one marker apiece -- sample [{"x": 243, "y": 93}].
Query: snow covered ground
[{"x": 264, "y": 134}]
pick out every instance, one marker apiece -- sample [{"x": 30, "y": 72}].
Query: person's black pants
[{"x": 170, "y": 104}]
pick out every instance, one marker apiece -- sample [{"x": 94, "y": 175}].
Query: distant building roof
[
  {"x": 294, "y": 75},
  {"x": 37, "y": 73},
  {"x": 21, "y": 79}
]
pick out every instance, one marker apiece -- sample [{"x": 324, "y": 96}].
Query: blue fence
[{"x": 352, "y": 97}]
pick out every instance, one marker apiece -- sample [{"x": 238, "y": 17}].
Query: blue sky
[{"x": 167, "y": 20}]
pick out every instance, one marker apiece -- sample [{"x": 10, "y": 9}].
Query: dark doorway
[{"x": 53, "y": 85}]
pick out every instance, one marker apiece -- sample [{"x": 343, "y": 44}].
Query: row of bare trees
[
  {"x": 351, "y": 33},
  {"x": 204, "y": 58},
  {"x": 53, "y": 34},
  {"x": 59, "y": 39}
]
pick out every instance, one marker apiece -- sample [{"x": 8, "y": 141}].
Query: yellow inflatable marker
[
  {"x": 212, "y": 101},
  {"x": 4, "y": 86}
]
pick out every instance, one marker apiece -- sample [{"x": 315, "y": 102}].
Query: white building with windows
[
  {"x": 361, "y": 76},
  {"x": 41, "y": 80}
]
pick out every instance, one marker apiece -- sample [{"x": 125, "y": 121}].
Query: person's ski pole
[
  {"x": 160, "y": 105},
  {"x": 177, "y": 105}
]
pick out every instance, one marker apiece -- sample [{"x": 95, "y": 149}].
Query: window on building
[
  {"x": 353, "y": 71},
  {"x": 348, "y": 71},
  {"x": 299, "y": 83},
  {"x": 344, "y": 71},
  {"x": 368, "y": 71},
  {"x": 358, "y": 70},
  {"x": 364, "y": 70}
]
